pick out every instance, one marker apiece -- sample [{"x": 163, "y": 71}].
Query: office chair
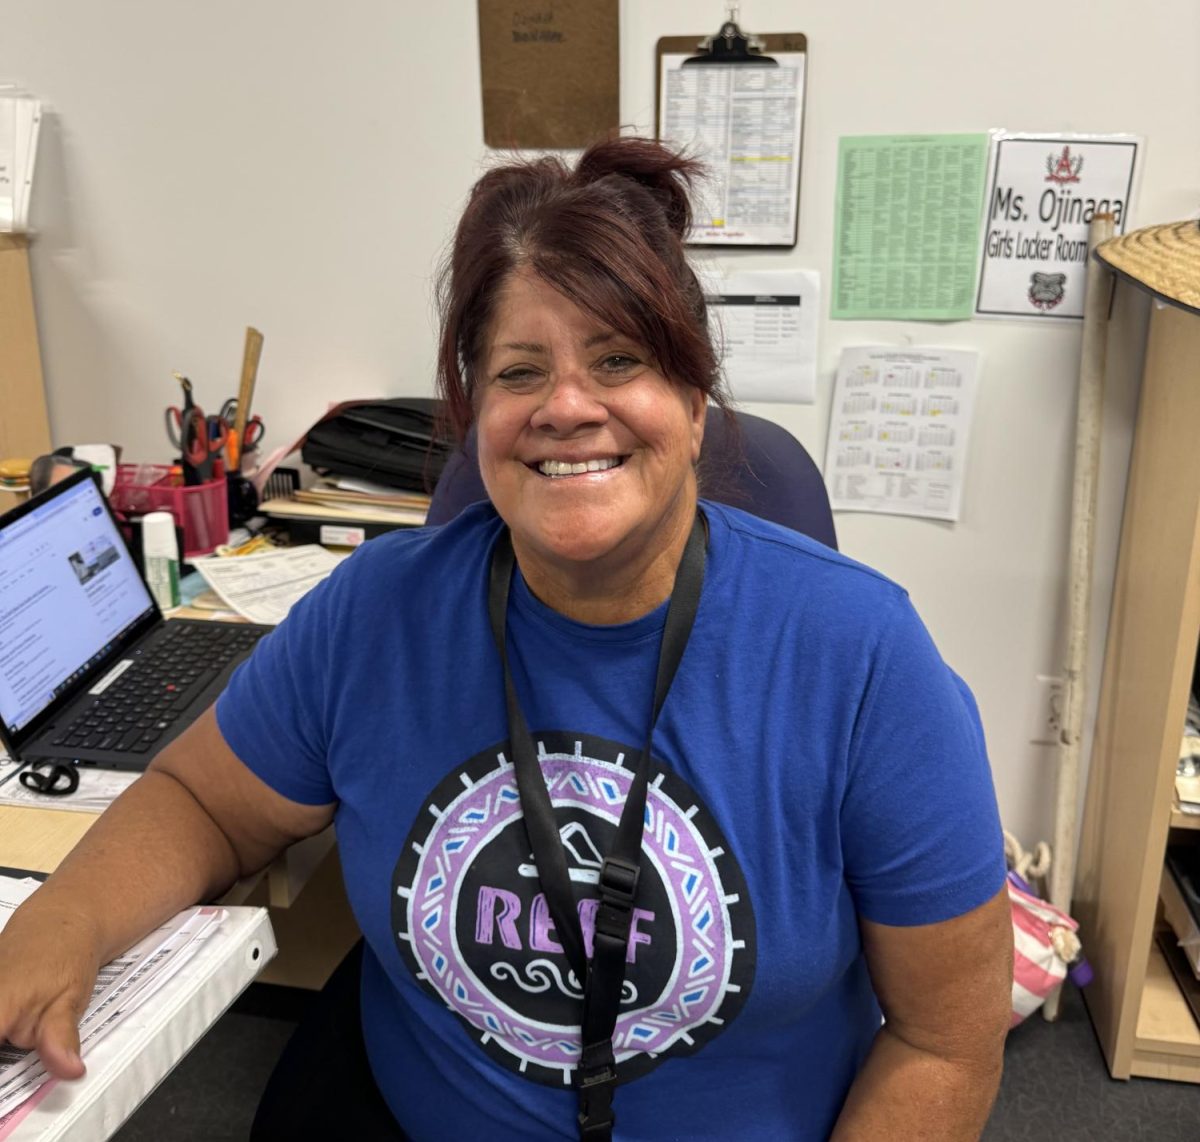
[{"x": 751, "y": 464}]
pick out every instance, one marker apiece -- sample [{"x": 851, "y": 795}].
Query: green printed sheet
[{"x": 908, "y": 216}]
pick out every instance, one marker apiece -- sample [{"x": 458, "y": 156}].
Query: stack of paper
[
  {"x": 262, "y": 588},
  {"x": 121, "y": 987},
  {"x": 20, "y": 119},
  {"x": 349, "y": 499}
]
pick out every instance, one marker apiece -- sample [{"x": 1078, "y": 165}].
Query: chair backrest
[{"x": 757, "y": 466}]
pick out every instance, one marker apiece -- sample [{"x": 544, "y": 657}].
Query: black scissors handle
[{"x": 61, "y": 780}]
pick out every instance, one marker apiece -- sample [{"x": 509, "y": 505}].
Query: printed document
[
  {"x": 906, "y": 242},
  {"x": 262, "y": 588},
  {"x": 14, "y": 891},
  {"x": 898, "y": 430},
  {"x": 20, "y": 120},
  {"x": 765, "y": 323}
]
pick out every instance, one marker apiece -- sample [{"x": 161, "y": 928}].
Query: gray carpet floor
[{"x": 1055, "y": 1089}]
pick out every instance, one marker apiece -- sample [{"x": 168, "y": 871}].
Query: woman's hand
[{"x": 49, "y": 959}]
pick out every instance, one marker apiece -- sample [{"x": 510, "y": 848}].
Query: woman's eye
[
  {"x": 519, "y": 377},
  {"x": 619, "y": 363}
]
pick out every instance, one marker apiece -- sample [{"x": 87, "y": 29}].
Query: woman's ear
[{"x": 698, "y": 404}]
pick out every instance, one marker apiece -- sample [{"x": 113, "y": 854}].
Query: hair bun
[{"x": 667, "y": 174}]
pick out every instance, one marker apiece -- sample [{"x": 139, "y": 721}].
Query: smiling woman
[
  {"x": 587, "y": 452},
  {"x": 608, "y": 235},
  {"x": 575, "y": 331},
  {"x": 646, "y": 807}
]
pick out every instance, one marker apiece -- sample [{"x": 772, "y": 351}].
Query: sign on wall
[{"x": 1042, "y": 192}]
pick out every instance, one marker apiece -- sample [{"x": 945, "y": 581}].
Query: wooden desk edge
[{"x": 38, "y": 839}]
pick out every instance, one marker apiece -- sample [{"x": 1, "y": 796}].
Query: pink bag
[{"x": 1045, "y": 950}]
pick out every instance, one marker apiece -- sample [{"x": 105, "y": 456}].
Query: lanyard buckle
[
  {"x": 619, "y": 881},
  {"x": 596, "y": 1081},
  {"x": 618, "y": 889}
]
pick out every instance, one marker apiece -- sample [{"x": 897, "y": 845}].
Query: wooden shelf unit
[
  {"x": 1143, "y": 1023},
  {"x": 1180, "y": 820},
  {"x": 1166, "y": 1042}
]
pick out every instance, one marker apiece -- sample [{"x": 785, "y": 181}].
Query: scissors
[
  {"x": 252, "y": 434},
  {"x": 188, "y": 431},
  {"x": 254, "y": 429}
]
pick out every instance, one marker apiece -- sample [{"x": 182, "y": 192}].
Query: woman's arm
[
  {"x": 946, "y": 993},
  {"x": 191, "y": 825}
]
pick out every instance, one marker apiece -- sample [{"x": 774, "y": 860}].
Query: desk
[
  {"x": 38, "y": 839},
  {"x": 302, "y": 889}
]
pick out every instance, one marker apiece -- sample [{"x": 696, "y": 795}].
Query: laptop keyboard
[{"x": 143, "y": 703}]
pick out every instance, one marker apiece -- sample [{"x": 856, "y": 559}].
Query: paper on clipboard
[{"x": 744, "y": 123}]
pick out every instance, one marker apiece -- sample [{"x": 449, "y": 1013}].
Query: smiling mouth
[{"x": 556, "y": 469}]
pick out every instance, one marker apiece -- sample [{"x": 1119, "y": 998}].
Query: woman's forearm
[
  {"x": 907, "y": 1094},
  {"x": 154, "y": 851}
]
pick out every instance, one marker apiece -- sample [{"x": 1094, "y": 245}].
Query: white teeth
[{"x": 564, "y": 468}]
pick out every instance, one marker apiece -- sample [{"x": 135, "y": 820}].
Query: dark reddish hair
[{"x": 607, "y": 234}]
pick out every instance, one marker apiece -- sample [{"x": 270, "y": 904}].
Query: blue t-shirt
[{"x": 815, "y": 761}]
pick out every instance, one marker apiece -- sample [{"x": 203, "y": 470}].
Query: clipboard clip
[{"x": 731, "y": 46}]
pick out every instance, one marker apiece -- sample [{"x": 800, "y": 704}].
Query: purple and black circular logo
[{"x": 472, "y": 922}]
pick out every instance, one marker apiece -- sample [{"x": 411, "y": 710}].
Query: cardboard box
[{"x": 24, "y": 426}]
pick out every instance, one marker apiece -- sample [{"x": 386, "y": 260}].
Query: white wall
[{"x": 298, "y": 166}]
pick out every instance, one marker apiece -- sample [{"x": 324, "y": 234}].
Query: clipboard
[{"x": 753, "y": 194}]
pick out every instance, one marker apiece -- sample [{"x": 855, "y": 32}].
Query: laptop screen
[{"x": 68, "y": 590}]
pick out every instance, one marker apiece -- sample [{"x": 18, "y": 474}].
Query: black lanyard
[{"x": 596, "y": 1075}]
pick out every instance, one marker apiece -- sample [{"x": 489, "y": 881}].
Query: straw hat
[{"x": 1163, "y": 259}]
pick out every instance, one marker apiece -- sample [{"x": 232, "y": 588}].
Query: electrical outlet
[{"x": 1045, "y": 727}]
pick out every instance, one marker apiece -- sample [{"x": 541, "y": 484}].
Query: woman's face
[{"x": 585, "y": 448}]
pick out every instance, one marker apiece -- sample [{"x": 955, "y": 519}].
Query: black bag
[{"x": 395, "y": 442}]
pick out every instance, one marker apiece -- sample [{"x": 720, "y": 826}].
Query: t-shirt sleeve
[
  {"x": 921, "y": 833},
  {"x": 274, "y": 714}
]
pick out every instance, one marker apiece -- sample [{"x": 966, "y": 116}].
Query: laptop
[{"x": 90, "y": 671}]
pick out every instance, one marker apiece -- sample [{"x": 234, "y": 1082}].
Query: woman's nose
[{"x": 571, "y": 402}]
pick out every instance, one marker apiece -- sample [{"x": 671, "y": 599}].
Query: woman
[{"x": 814, "y": 833}]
